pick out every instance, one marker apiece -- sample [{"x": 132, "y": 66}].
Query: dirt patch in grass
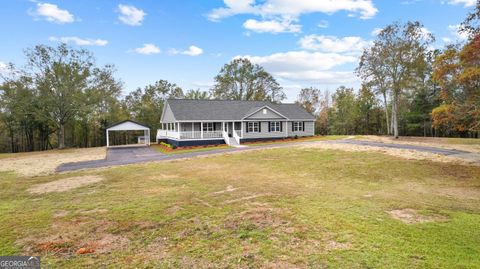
[
  {"x": 162, "y": 177},
  {"x": 61, "y": 214},
  {"x": 281, "y": 265},
  {"x": 334, "y": 245},
  {"x": 65, "y": 184},
  {"x": 229, "y": 188},
  {"x": 402, "y": 153},
  {"x": 74, "y": 237},
  {"x": 245, "y": 198},
  {"x": 259, "y": 216},
  {"x": 93, "y": 211},
  {"x": 460, "y": 192},
  {"x": 411, "y": 216},
  {"x": 44, "y": 163},
  {"x": 466, "y": 144}
]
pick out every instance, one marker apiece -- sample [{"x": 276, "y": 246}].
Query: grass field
[{"x": 277, "y": 208}]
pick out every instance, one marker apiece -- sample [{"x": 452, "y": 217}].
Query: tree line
[
  {"x": 62, "y": 98},
  {"x": 408, "y": 88}
]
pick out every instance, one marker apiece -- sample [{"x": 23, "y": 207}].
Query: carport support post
[{"x": 108, "y": 142}]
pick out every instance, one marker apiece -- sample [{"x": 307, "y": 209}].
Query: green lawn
[{"x": 277, "y": 208}]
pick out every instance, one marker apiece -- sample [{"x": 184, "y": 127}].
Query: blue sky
[{"x": 301, "y": 42}]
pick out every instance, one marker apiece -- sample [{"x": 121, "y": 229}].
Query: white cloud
[
  {"x": 4, "y": 68},
  {"x": 148, "y": 49},
  {"x": 465, "y": 3},
  {"x": 348, "y": 44},
  {"x": 447, "y": 40},
  {"x": 271, "y": 26},
  {"x": 323, "y": 77},
  {"x": 455, "y": 32},
  {"x": 80, "y": 41},
  {"x": 191, "y": 51},
  {"x": 307, "y": 66},
  {"x": 323, "y": 24},
  {"x": 376, "y": 31},
  {"x": 292, "y": 8},
  {"x": 131, "y": 15},
  {"x": 53, "y": 13},
  {"x": 425, "y": 33}
]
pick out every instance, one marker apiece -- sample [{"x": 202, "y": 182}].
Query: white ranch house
[{"x": 197, "y": 122}]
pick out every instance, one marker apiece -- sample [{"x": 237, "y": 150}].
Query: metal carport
[{"x": 129, "y": 125}]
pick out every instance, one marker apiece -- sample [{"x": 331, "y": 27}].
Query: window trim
[
  {"x": 208, "y": 127},
  {"x": 275, "y": 126},
  {"x": 297, "y": 126},
  {"x": 253, "y": 127}
]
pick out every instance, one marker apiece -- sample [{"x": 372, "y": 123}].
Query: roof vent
[{"x": 264, "y": 111}]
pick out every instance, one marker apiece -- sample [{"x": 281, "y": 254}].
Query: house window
[
  {"x": 297, "y": 126},
  {"x": 275, "y": 126},
  {"x": 253, "y": 127},
  {"x": 208, "y": 127},
  {"x": 264, "y": 111}
]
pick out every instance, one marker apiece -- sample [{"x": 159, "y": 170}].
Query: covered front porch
[{"x": 200, "y": 130}]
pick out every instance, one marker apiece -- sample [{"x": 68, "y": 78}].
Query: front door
[{"x": 230, "y": 129}]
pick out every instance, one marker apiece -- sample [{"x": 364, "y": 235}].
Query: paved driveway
[
  {"x": 129, "y": 153},
  {"x": 122, "y": 156}
]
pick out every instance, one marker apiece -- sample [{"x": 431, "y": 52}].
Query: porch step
[{"x": 233, "y": 143}]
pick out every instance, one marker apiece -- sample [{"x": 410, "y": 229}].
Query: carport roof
[{"x": 127, "y": 125}]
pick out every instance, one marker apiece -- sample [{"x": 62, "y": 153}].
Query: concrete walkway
[{"x": 131, "y": 155}]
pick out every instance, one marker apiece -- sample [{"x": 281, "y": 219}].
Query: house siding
[
  {"x": 168, "y": 117},
  {"x": 309, "y": 129},
  {"x": 264, "y": 133},
  {"x": 269, "y": 115}
]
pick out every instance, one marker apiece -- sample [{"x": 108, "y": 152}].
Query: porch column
[
  {"x": 148, "y": 137},
  {"x": 193, "y": 128},
  {"x": 108, "y": 142},
  {"x": 201, "y": 129},
  {"x": 241, "y": 128},
  {"x": 178, "y": 130}
]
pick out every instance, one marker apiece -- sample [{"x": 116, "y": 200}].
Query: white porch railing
[
  {"x": 236, "y": 136},
  {"x": 226, "y": 138},
  {"x": 188, "y": 134},
  {"x": 167, "y": 133}
]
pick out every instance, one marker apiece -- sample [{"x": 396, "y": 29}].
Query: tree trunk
[
  {"x": 395, "y": 116},
  {"x": 386, "y": 112},
  {"x": 61, "y": 136}
]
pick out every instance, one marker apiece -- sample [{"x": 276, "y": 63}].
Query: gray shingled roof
[{"x": 186, "y": 109}]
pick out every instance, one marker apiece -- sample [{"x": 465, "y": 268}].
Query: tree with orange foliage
[{"x": 457, "y": 71}]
